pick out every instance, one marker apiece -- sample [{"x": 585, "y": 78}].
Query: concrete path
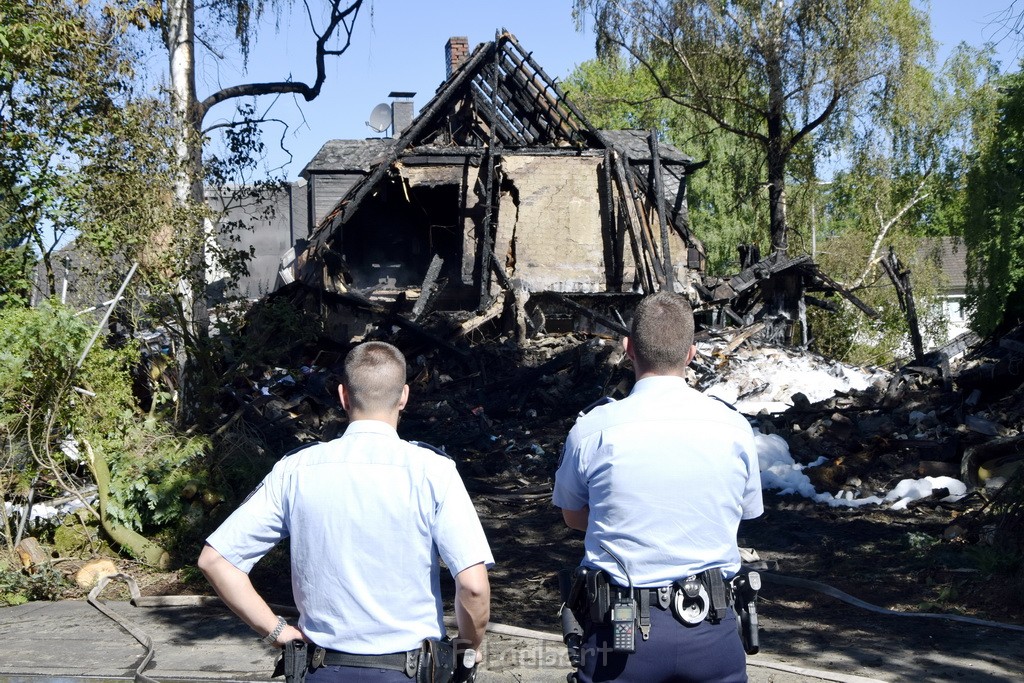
[{"x": 74, "y": 639}]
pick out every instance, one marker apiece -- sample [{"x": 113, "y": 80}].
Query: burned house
[
  {"x": 499, "y": 195},
  {"x": 498, "y": 186}
]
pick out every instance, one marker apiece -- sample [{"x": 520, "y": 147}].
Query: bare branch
[
  {"x": 886, "y": 226},
  {"x": 243, "y": 122},
  {"x": 344, "y": 18},
  {"x": 705, "y": 105}
]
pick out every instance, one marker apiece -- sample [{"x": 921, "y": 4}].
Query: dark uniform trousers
[
  {"x": 355, "y": 674},
  {"x": 706, "y": 653}
]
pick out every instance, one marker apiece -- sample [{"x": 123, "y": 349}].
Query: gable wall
[
  {"x": 552, "y": 240},
  {"x": 326, "y": 190}
]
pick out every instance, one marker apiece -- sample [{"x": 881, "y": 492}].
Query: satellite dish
[{"x": 380, "y": 117}]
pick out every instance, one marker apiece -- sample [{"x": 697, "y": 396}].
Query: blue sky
[{"x": 400, "y": 46}]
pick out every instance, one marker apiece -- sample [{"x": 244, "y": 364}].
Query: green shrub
[{"x": 60, "y": 418}]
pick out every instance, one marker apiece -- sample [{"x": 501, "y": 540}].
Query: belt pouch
[
  {"x": 716, "y": 587},
  {"x": 437, "y": 661},
  {"x": 598, "y": 596}
]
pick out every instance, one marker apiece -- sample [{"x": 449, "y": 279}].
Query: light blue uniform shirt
[
  {"x": 367, "y": 514},
  {"x": 668, "y": 473}
]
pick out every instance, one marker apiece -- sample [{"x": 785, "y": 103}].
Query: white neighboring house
[{"x": 950, "y": 254}]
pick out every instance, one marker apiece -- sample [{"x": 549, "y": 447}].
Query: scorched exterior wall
[{"x": 549, "y": 232}]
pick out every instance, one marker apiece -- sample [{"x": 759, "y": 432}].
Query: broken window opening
[{"x": 389, "y": 243}]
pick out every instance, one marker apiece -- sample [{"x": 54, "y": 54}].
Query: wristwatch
[{"x": 271, "y": 637}]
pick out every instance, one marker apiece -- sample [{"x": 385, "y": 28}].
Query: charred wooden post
[
  {"x": 646, "y": 234},
  {"x": 658, "y": 197},
  {"x": 614, "y": 253},
  {"x": 833, "y": 286},
  {"x": 749, "y": 255},
  {"x": 429, "y": 287},
  {"x": 900, "y": 277},
  {"x": 487, "y": 251},
  {"x": 632, "y": 226}
]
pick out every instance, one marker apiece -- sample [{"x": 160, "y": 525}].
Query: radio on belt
[
  {"x": 623, "y": 615},
  {"x": 624, "y": 625}
]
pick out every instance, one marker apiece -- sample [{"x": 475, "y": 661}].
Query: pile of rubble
[
  {"x": 930, "y": 432},
  {"x": 502, "y": 405}
]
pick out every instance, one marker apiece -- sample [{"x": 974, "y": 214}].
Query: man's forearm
[
  {"x": 577, "y": 519},
  {"x": 236, "y": 590},
  {"x": 472, "y": 604}
]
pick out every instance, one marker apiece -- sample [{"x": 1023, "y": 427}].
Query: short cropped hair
[
  {"x": 374, "y": 376},
  {"x": 662, "y": 332}
]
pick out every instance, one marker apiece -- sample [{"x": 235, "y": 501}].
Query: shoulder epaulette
[
  {"x": 424, "y": 444},
  {"x": 599, "y": 402}
]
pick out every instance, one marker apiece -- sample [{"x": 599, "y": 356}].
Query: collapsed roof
[
  {"x": 500, "y": 190},
  {"x": 500, "y": 183}
]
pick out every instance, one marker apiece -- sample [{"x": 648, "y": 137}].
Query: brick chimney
[{"x": 455, "y": 52}]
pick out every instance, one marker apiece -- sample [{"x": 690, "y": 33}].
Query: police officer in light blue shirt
[
  {"x": 368, "y": 515},
  {"x": 659, "y": 481}
]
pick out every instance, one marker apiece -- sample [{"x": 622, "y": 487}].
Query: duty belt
[
  {"x": 433, "y": 661},
  {"x": 394, "y": 661},
  {"x": 660, "y": 596},
  {"x": 694, "y": 599}
]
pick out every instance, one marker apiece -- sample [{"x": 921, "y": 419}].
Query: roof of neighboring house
[
  {"x": 951, "y": 255},
  {"x": 345, "y": 156},
  {"x": 635, "y": 145}
]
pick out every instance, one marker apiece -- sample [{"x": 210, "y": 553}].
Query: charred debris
[{"x": 501, "y": 408}]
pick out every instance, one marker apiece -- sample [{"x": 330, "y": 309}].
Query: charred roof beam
[
  {"x": 538, "y": 101},
  {"x": 518, "y": 132},
  {"x": 595, "y": 139}
]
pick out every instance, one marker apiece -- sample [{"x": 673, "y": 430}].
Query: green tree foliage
[
  {"x": 64, "y": 78},
  {"x": 724, "y": 197},
  {"x": 904, "y": 181},
  {"x": 907, "y": 160},
  {"x": 770, "y": 72},
  {"x": 994, "y": 224},
  {"x": 67, "y": 414}
]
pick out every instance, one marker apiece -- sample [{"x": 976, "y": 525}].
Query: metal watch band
[{"x": 272, "y": 636}]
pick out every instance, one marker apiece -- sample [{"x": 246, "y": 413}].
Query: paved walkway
[{"x": 206, "y": 642}]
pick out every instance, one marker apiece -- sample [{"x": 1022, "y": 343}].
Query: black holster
[
  {"x": 572, "y": 584},
  {"x": 745, "y": 586},
  {"x": 437, "y": 661},
  {"x": 294, "y": 662}
]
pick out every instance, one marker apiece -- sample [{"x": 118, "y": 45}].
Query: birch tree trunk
[
  {"x": 188, "y": 192},
  {"x": 194, "y": 234}
]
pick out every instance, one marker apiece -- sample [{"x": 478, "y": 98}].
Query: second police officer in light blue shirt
[{"x": 659, "y": 481}]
